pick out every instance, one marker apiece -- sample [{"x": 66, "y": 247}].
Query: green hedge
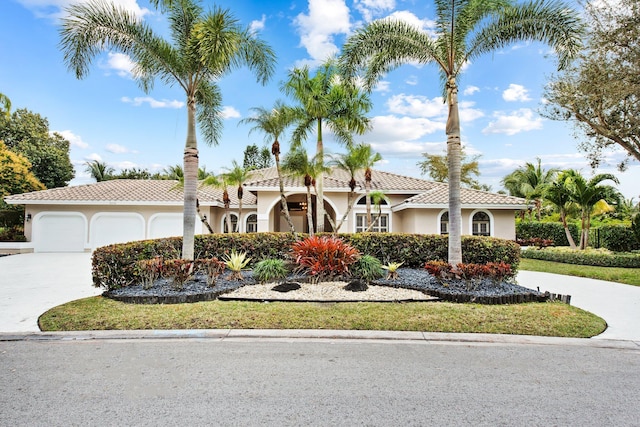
[
  {"x": 547, "y": 230},
  {"x": 617, "y": 238},
  {"x": 114, "y": 266},
  {"x": 596, "y": 258}
]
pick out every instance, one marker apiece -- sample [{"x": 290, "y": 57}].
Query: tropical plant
[
  {"x": 176, "y": 173},
  {"x": 367, "y": 268},
  {"x": 273, "y": 124},
  {"x": 325, "y": 257},
  {"x": 237, "y": 175},
  {"x": 368, "y": 158},
  {"x": 236, "y": 262},
  {"x": 205, "y": 47},
  {"x": 324, "y": 101},
  {"x": 150, "y": 270},
  {"x": 586, "y": 194},
  {"x": 297, "y": 163},
  {"x": 530, "y": 182},
  {"x": 5, "y": 106},
  {"x": 437, "y": 167},
  {"x": 212, "y": 267},
  {"x": 376, "y": 197},
  {"x": 270, "y": 270},
  {"x": 221, "y": 182},
  {"x": 559, "y": 196},
  {"x": 392, "y": 269},
  {"x": 178, "y": 270},
  {"x": 255, "y": 158},
  {"x": 465, "y": 30}
]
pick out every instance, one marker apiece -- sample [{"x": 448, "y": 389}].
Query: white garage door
[
  {"x": 165, "y": 225},
  {"x": 116, "y": 227},
  {"x": 59, "y": 232}
]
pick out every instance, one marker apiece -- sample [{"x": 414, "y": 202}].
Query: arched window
[
  {"x": 444, "y": 223},
  {"x": 252, "y": 224},
  {"x": 381, "y": 224},
  {"x": 234, "y": 223},
  {"x": 481, "y": 224}
]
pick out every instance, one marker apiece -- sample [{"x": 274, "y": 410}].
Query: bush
[
  {"x": 497, "y": 271},
  {"x": 617, "y": 238},
  {"x": 211, "y": 267},
  {"x": 546, "y": 231},
  {"x": 269, "y": 270},
  {"x": 324, "y": 257},
  {"x": 12, "y": 234},
  {"x": 178, "y": 270},
  {"x": 367, "y": 268},
  {"x": 595, "y": 257},
  {"x": 150, "y": 270}
]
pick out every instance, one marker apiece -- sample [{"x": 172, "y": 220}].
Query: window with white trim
[
  {"x": 252, "y": 224},
  {"x": 379, "y": 226},
  {"x": 481, "y": 224},
  {"x": 234, "y": 223},
  {"x": 444, "y": 223}
]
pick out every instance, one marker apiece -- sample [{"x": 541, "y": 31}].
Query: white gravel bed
[{"x": 327, "y": 291}]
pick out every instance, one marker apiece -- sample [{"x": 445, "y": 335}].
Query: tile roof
[{"x": 439, "y": 195}]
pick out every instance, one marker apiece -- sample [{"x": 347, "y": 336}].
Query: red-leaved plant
[
  {"x": 497, "y": 271},
  {"x": 212, "y": 267},
  {"x": 179, "y": 271},
  {"x": 324, "y": 257}
]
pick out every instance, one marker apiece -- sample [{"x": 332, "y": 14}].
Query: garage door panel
[
  {"x": 114, "y": 227},
  {"x": 165, "y": 225},
  {"x": 59, "y": 232}
]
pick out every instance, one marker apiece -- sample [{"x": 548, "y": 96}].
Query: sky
[{"x": 107, "y": 117}]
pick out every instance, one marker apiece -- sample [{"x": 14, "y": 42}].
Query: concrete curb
[{"x": 320, "y": 336}]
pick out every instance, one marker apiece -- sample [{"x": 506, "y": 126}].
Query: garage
[
  {"x": 59, "y": 232},
  {"x": 165, "y": 225},
  {"x": 115, "y": 227}
]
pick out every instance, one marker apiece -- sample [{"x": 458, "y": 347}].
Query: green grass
[
  {"x": 543, "y": 319},
  {"x": 629, "y": 276}
]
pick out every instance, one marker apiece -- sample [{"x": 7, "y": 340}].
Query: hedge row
[
  {"x": 617, "y": 238},
  {"x": 114, "y": 266},
  {"x": 547, "y": 231},
  {"x": 589, "y": 257}
]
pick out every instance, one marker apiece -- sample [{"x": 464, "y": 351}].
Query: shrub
[
  {"x": 617, "y": 238},
  {"x": 324, "y": 257},
  {"x": 535, "y": 241},
  {"x": 211, "y": 267},
  {"x": 367, "y": 268},
  {"x": 546, "y": 231},
  {"x": 635, "y": 227},
  {"x": 497, "y": 271},
  {"x": 392, "y": 269},
  {"x": 178, "y": 270},
  {"x": 269, "y": 270},
  {"x": 12, "y": 234},
  {"x": 595, "y": 257},
  {"x": 236, "y": 262},
  {"x": 150, "y": 270}
]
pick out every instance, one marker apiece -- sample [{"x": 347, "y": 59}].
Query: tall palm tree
[
  {"x": 176, "y": 173},
  {"x": 298, "y": 163},
  {"x": 273, "y": 123},
  {"x": 204, "y": 46},
  {"x": 377, "y": 197},
  {"x": 350, "y": 162},
  {"x": 369, "y": 159},
  {"x": 466, "y": 29},
  {"x": 586, "y": 194},
  {"x": 530, "y": 182},
  {"x": 237, "y": 175},
  {"x": 558, "y": 195},
  {"x": 221, "y": 182},
  {"x": 99, "y": 171},
  {"x": 324, "y": 101}
]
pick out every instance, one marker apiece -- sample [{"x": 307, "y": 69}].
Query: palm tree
[
  {"x": 377, "y": 197},
  {"x": 466, "y": 29},
  {"x": 587, "y": 194},
  {"x": 205, "y": 47},
  {"x": 322, "y": 100},
  {"x": 273, "y": 124},
  {"x": 221, "y": 182},
  {"x": 558, "y": 195},
  {"x": 297, "y": 163},
  {"x": 530, "y": 182},
  {"x": 99, "y": 171},
  {"x": 369, "y": 158},
  {"x": 238, "y": 175}
]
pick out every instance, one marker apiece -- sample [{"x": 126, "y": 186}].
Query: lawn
[
  {"x": 542, "y": 319},
  {"x": 629, "y": 276}
]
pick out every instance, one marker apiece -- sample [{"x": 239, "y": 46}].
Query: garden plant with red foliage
[{"x": 324, "y": 257}]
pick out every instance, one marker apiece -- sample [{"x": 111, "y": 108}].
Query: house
[{"x": 82, "y": 218}]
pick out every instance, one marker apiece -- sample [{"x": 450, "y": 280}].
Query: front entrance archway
[{"x": 297, "y": 205}]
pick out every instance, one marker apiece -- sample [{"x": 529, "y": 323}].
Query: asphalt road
[{"x": 297, "y": 382}]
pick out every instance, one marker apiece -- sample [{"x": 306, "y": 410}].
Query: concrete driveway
[{"x": 31, "y": 284}]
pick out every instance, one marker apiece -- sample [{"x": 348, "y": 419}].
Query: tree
[
  {"x": 255, "y": 158},
  {"x": 377, "y": 197},
  {"x": 99, "y": 171},
  {"x": 600, "y": 94},
  {"x": 586, "y": 194},
  {"x": 237, "y": 175},
  {"x": 5, "y": 106},
  {"x": 27, "y": 133},
  {"x": 437, "y": 167},
  {"x": 15, "y": 178},
  {"x": 205, "y": 47},
  {"x": 559, "y": 196},
  {"x": 466, "y": 29},
  {"x": 222, "y": 183},
  {"x": 273, "y": 123},
  {"x": 298, "y": 163},
  {"x": 530, "y": 182},
  {"x": 324, "y": 101}
]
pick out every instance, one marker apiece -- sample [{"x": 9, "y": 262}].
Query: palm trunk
[
  {"x": 309, "y": 215},
  {"x": 563, "y": 218},
  {"x": 583, "y": 232},
  {"x": 374, "y": 222},
  {"x": 367, "y": 189},
  {"x": 203, "y": 219},
  {"x": 190, "y": 182},
  {"x": 320, "y": 183},
  {"x": 350, "y": 204},
  {"x": 275, "y": 150},
  {"x": 240, "y": 194},
  {"x": 454, "y": 150}
]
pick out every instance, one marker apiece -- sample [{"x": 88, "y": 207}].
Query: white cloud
[
  {"x": 393, "y": 128},
  {"x": 372, "y": 8},
  {"x": 54, "y": 9},
  {"x": 93, "y": 156},
  {"x": 123, "y": 165},
  {"x": 117, "y": 149},
  {"x": 153, "y": 103},
  {"x": 326, "y": 18},
  {"x": 510, "y": 124},
  {"x": 74, "y": 140},
  {"x": 408, "y": 149},
  {"x": 470, "y": 90},
  {"x": 516, "y": 93},
  {"x": 411, "y": 19},
  {"x": 120, "y": 63},
  {"x": 256, "y": 25},
  {"x": 230, "y": 113},
  {"x": 382, "y": 86},
  {"x": 412, "y": 80},
  {"x": 420, "y": 106}
]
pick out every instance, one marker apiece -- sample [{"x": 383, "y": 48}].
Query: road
[{"x": 325, "y": 382}]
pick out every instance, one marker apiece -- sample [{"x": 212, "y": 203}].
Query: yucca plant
[
  {"x": 270, "y": 270},
  {"x": 236, "y": 262},
  {"x": 392, "y": 269}
]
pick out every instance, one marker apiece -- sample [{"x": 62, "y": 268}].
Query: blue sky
[{"x": 108, "y": 117}]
